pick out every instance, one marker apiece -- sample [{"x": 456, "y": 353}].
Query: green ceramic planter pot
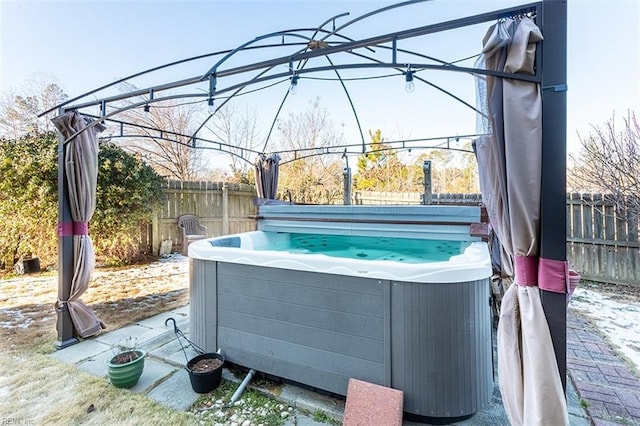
[{"x": 126, "y": 375}]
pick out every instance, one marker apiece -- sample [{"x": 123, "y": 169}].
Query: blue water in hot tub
[{"x": 403, "y": 250}]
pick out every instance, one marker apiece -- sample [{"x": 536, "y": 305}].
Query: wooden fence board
[{"x": 206, "y": 200}]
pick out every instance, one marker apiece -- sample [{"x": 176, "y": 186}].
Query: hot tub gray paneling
[
  {"x": 441, "y": 340},
  {"x": 323, "y": 328},
  {"x": 203, "y": 302},
  {"x": 433, "y": 341}
]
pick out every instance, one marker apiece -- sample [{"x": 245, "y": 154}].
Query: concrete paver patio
[{"x": 603, "y": 383}]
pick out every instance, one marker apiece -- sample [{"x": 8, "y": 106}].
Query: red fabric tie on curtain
[
  {"x": 526, "y": 270},
  {"x": 66, "y": 229},
  {"x": 555, "y": 276},
  {"x": 548, "y": 274}
]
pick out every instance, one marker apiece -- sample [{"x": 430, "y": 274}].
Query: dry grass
[{"x": 41, "y": 390}]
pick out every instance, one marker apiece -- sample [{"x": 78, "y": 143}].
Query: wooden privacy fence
[
  {"x": 224, "y": 208},
  {"x": 371, "y": 197},
  {"x": 601, "y": 244}
]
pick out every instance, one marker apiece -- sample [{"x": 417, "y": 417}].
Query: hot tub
[{"x": 418, "y": 322}]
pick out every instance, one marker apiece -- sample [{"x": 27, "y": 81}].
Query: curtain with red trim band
[
  {"x": 510, "y": 167},
  {"x": 81, "y": 168}
]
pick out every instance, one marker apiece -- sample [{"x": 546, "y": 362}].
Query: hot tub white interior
[{"x": 252, "y": 248}]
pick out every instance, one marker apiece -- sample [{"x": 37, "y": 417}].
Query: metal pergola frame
[
  {"x": 216, "y": 73},
  {"x": 550, "y": 16}
]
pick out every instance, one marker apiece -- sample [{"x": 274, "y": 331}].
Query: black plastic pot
[
  {"x": 27, "y": 266},
  {"x": 206, "y": 381}
]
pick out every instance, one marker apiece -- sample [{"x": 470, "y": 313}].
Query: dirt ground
[
  {"x": 614, "y": 291},
  {"x": 119, "y": 296},
  {"x": 36, "y": 389}
]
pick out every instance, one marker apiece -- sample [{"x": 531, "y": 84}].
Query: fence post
[
  {"x": 225, "y": 209},
  {"x": 155, "y": 234}
]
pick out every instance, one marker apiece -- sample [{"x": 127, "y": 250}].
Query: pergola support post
[
  {"x": 346, "y": 183},
  {"x": 426, "y": 196},
  {"x": 553, "y": 215},
  {"x": 64, "y": 325}
]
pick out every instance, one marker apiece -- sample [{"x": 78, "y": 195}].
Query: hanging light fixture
[
  {"x": 212, "y": 91},
  {"x": 293, "y": 89},
  {"x": 409, "y": 85},
  {"x": 103, "y": 110},
  {"x": 146, "y": 108}
]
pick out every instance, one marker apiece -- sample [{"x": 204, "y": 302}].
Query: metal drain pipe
[{"x": 243, "y": 385}]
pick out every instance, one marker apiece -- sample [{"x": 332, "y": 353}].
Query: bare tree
[
  {"x": 609, "y": 162},
  {"x": 19, "y": 110},
  {"x": 304, "y": 135},
  {"x": 240, "y": 130},
  {"x": 170, "y": 155}
]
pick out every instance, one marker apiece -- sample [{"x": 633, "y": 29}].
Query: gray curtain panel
[
  {"x": 81, "y": 168},
  {"x": 510, "y": 179},
  {"x": 267, "y": 175}
]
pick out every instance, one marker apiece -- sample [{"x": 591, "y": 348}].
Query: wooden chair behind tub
[{"x": 192, "y": 230}]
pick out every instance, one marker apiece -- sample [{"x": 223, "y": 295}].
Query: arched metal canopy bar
[
  {"x": 147, "y": 71},
  {"x": 177, "y": 142},
  {"x": 309, "y": 39},
  {"x": 161, "y": 134},
  {"x": 333, "y": 18},
  {"x": 301, "y": 66},
  {"x": 128, "y": 107},
  {"x": 286, "y": 95},
  {"x": 435, "y": 86},
  {"x": 183, "y": 61},
  {"x": 395, "y": 49},
  {"x": 374, "y": 12},
  {"x": 353, "y": 108},
  {"x": 390, "y": 146},
  {"x": 214, "y": 69},
  {"x": 316, "y": 30},
  {"x": 446, "y": 67},
  {"x": 334, "y": 32},
  {"x": 344, "y": 152},
  {"x": 355, "y": 114},
  {"x": 275, "y": 119},
  {"x": 241, "y": 87},
  {"x": 349, "y": 46},
  {"x": 405, "y": 144},
  {"x": 416, "y": 66},
  {"x": 193, "y": 80},
  {"x": 387, "y": 38},
  {"x": 256, "y": 80}
]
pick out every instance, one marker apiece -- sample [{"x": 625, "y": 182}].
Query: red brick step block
[{"x": 369, "y": 404}]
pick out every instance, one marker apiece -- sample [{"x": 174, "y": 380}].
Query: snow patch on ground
[
  {"x": 16, "y": 319},
  {"x": 616, "y": 318}
]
